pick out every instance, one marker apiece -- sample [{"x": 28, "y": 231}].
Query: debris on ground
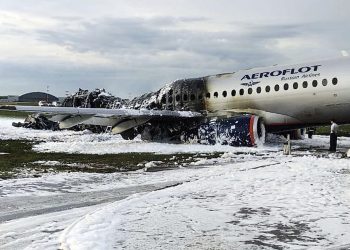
[
  {"x": 98, "y": 98},
  {"x": 37, "y": 121}
]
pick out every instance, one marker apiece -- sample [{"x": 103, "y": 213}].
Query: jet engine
[{"x": 244, "y": 130}]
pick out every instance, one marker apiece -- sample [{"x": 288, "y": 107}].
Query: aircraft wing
[
  {"x": 119, "y": 119},
  {"x": 107, "y": 112}
]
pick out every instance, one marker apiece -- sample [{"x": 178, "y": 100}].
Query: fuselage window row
[{"x": 295, "y": 85}]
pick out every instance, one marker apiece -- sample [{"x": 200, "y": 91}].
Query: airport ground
[
  {"x": 22, "y": 158},
  {"x": 77, "y": 190}
]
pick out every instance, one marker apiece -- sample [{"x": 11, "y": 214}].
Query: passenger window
[
  {"x": 177, "y": 98},
  {"x": 207, "y": 95},
  {"x": 233, "y": 92},
  {"x": 216, "y": 95},
  {"x": 258, "y": 90},
  {"x": 295, "y": 85},
  {"x": 185, "y": 97},
  {"x": 314, "y": 83},
  {"x": 335, "y": 81},
  {"x": 286, "y": 86},
  {"x": 305, "y": 84},
  {"x": 193, "y": 97},
  {"x": 267, "y": 89},
  {"x": 277, "y": 87},
  {"x": 224, "y": 93},
  {"x": 170, "y": 99},
  {"x": 241, "y": 91},
  {"x": 250, "y": 91},
  {"x": 324, "y": 82}
]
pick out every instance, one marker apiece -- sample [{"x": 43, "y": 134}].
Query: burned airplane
[{"x": 233, "y": 108}]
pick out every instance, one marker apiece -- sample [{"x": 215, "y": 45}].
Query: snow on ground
[{"x": 249, "y": 198}]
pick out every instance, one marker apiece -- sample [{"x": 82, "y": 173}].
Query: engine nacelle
[{"x": 244, "y": 130}]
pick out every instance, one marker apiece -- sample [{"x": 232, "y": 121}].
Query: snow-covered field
[{"x": 249, "y": 198}]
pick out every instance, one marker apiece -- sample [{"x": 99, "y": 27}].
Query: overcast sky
[{"x": 134, "y": 46}]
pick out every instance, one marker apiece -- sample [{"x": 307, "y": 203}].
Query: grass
[
  {"x": 344, "y": 130},
  {"x": 13, "y": 114},
  {"x": 21, "y": 159},
  {"x": 19, "y": 103}
]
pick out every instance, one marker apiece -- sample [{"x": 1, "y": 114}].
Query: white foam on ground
[
  {"x": 85, "y": 142},
  {"x": 232, "y": 206},
  {"x": 237, "y": 201}
]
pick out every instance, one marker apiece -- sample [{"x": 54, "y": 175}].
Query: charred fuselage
[
  {"x": 180, "y": 95},
  {"x": 185, "y": 94},
  {"x": 192, "y": 95}
]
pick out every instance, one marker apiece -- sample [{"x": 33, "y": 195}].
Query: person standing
[{"x": 333, "y": 136}]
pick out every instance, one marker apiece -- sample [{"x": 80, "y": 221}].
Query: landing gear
[
  {"x": 310, "y": 132},
  {"x": 129, "y": 134},
  {"x": 169, "y": 132}
]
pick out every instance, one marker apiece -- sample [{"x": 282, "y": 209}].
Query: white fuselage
[{"x": 301, "y": 94}]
